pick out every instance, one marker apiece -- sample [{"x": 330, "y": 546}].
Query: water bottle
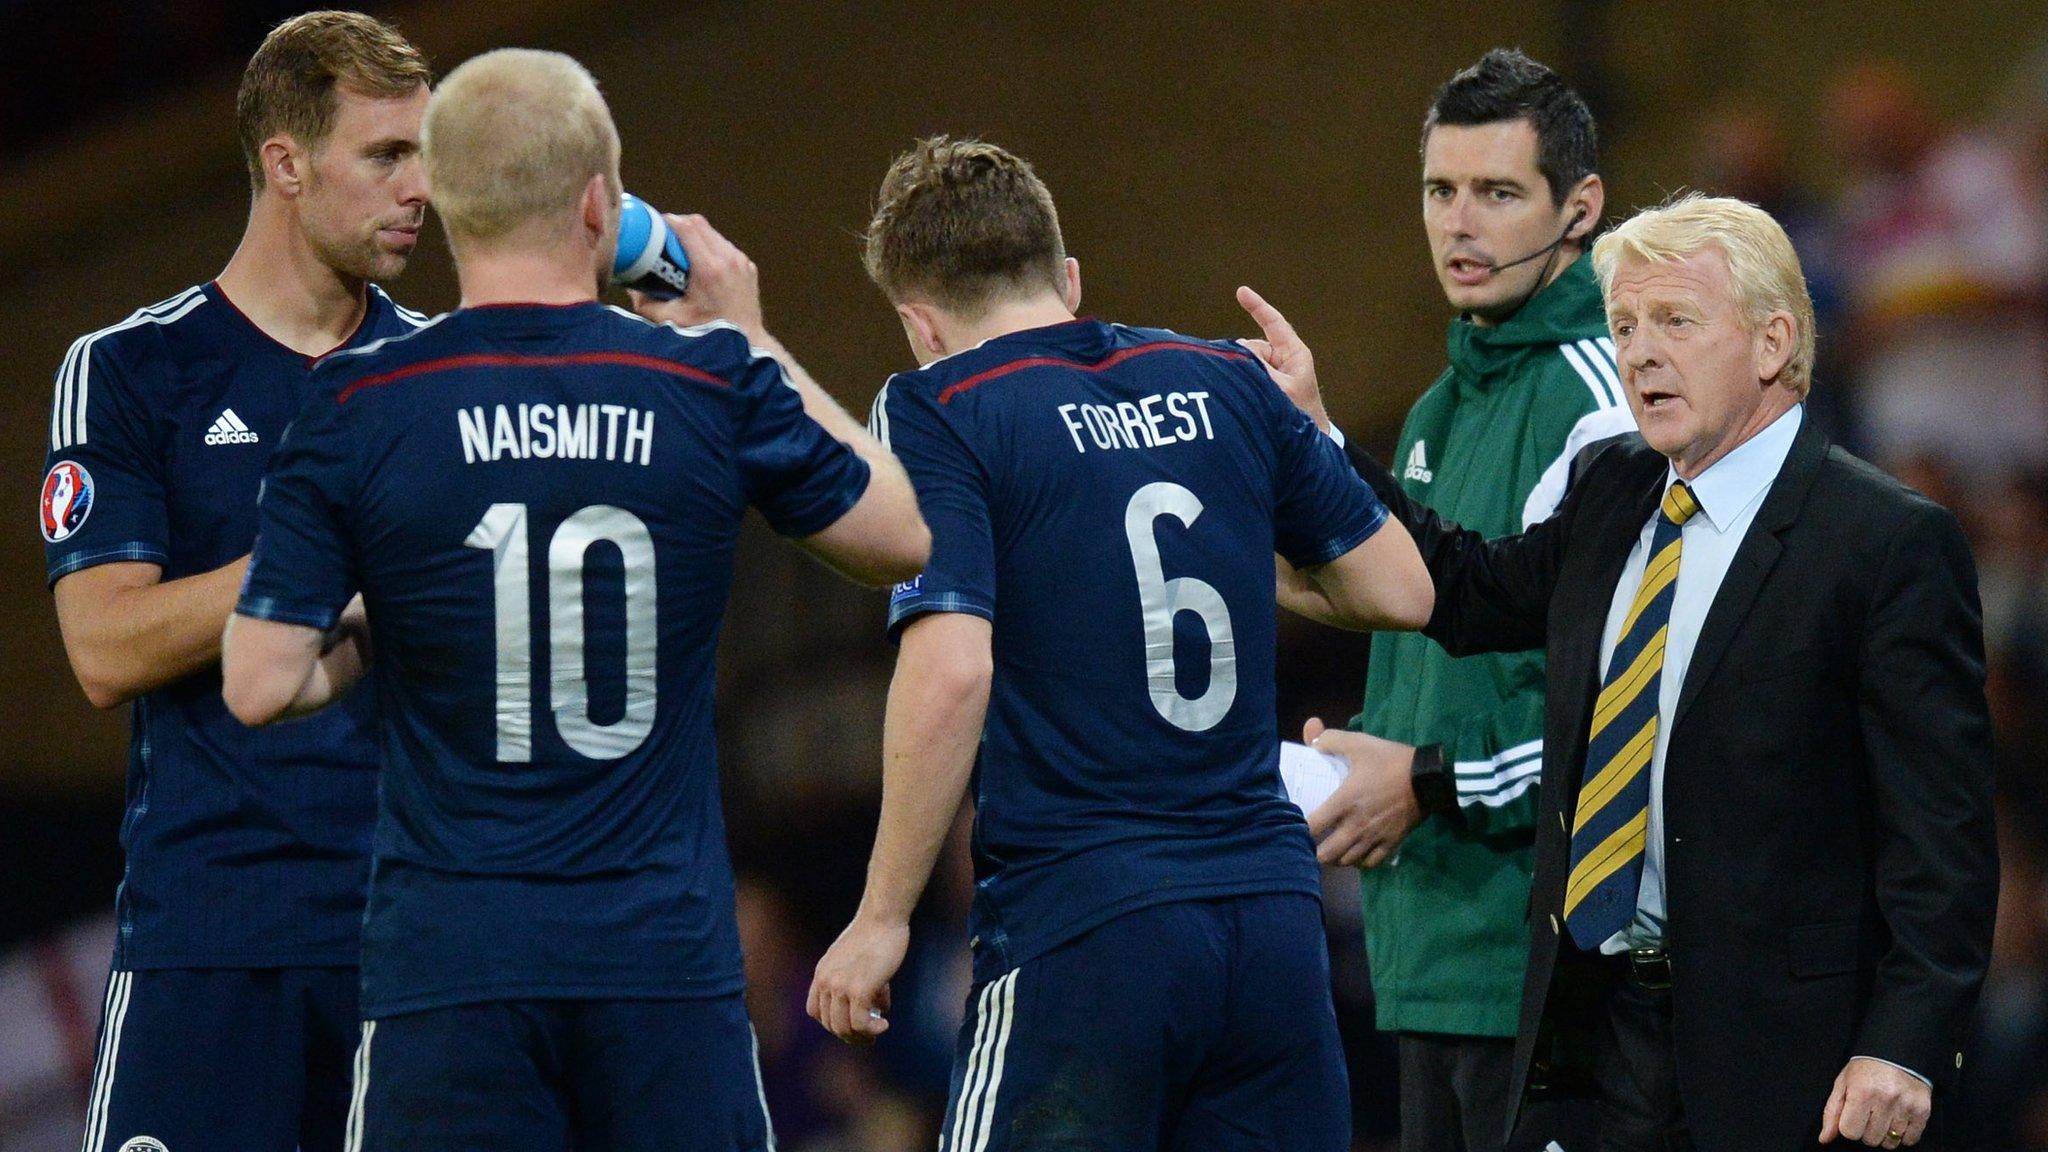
[{"x": 650, "y": 259}]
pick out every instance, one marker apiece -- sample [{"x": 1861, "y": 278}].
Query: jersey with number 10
[
  {"x": 539, "y": 506},
  {"x": 1111, "y": 499}
]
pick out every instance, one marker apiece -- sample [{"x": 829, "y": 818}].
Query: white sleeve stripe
[
  {"x": 60, "y": 403},
  {"x": 69, "y": 426},
  {"x": 1504, "y": 775},
  {"x": 1586, "y": 373},
  {"x": 1505, "y": 756},
  {"x": 1604, "y": 361},
  {"x": 1508, "y": 772},
  {"x": 82, "y": 374},
  {"x": 372, "y": 346},
  {"x": 704, "y": 329},
  {"x": 1498, "y": 799},
  {"x": 878, "y": 417}
]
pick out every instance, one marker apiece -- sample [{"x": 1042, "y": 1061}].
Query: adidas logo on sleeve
[
  {"x": 229, "y": 429},
  {"x": 1418, "y": 465}
]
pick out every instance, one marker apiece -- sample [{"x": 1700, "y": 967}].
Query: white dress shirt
[{"x": 1729, "y": 493}]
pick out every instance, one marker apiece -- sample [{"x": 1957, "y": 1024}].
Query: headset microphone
[
  {"x": 1549, "y": 253},
  {"x": 1548, "y": 249}
]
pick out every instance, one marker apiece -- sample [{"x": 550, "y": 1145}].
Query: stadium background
[{"x": 1191, "y": 148}]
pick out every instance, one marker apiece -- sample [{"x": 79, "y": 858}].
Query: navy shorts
[
  {"x": 223, "y": 1060},
  {"x": 1199, "y": 1026},
  {"x": 549, "y": 1075}
]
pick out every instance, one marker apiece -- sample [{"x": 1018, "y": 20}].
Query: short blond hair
[
  {"x": 512, "y": 136},
  {"x": 291, "y": 84},
  {"x": 1762, "y": 264}
]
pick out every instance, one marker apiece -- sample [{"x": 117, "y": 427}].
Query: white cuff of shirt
[
  {"x": 1900, "y": 1067},
  {"x": 1335, "y": 434}
]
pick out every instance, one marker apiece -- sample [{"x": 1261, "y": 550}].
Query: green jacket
[{"x": 1489, "y": 445}]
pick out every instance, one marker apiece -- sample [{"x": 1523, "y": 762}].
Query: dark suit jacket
[{"x": 1830, "y": 866}]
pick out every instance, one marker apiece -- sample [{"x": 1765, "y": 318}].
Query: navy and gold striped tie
[{"x": 1614, "y": 800}]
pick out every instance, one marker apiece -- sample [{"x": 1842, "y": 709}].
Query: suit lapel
[{"x": 1753, "y": 561}]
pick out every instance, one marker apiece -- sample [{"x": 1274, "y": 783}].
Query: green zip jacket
[{"x": 1489, "y": 445}]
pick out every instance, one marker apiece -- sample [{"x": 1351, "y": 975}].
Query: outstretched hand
[{"x": 1285, "y": 356}]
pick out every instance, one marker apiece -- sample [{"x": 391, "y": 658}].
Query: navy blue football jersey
[
  {"x": 245, "y": 849},
  {"x": 1111, "y": 498},
  {"x": 539, "y": 506}
]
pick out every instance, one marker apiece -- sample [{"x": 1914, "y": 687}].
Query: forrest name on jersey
[{"x": 1140, "y": 423}]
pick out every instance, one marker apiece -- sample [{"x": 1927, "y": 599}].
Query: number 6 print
[{"x": 1161, "y": 599}]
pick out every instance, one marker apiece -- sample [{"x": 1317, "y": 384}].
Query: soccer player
[
  {"x": 538, "y": 497},
  {"x": 1096, "y": 629},
  {"x": 231, "y": 1010}
]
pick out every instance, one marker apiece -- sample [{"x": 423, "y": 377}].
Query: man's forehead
[
  {"x": 384, "y": 115},
  {"x": 1694, "y": 276},
  {"x": 1502, "y": 150}
]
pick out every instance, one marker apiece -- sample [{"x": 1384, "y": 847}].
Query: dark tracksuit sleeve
[
  {"x": 1927, "y": 736},
  {"x": 1491, "y": 595}
]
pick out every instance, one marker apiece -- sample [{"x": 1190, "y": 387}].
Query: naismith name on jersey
[{"x": 611, "y": 432}]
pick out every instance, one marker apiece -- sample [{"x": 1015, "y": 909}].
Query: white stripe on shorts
[
  {"x": 112, "y": 1017},
  {"x": 995, "y": 1076},
  {"x": 362, "y": 1089},
  {"x": 974, "y": 1111},
  {"x": 761, "y": 1086}
]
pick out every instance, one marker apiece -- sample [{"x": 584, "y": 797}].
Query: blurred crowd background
[{"x": 1191, "y": 148}]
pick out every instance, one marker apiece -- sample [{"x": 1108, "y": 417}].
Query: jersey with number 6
[
  {"x": 1111, "y": 499},
  {"x": 539, "y": 506}
]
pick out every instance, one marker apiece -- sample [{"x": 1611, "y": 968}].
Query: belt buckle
[{"x": 1651, "y": 968}]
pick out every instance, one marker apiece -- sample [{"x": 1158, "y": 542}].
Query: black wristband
[{"x": 1435, "y": 789}]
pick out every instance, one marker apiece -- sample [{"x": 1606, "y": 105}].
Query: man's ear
[
  {"x": 598, "y": 205},
  {"x": 1072, "y": 295},
  {"x": 921, "y": 322},
  {"x": 285, "y": 165},
  {"x": 1585, "y": 204},
  {"x": 1777, "y": 341}
]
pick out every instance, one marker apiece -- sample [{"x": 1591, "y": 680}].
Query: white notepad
[{"x": 1310, "y": 776}]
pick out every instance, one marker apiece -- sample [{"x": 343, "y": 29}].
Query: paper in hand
[{"x": 1310, "y": 776}]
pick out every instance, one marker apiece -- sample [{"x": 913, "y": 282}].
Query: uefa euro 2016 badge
[{"x": 67, "y": 499}]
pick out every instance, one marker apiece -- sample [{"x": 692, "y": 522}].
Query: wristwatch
[{"x": 1435, "y": 789}]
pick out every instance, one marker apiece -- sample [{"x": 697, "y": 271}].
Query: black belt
[{"x": 1648, "y": 968}]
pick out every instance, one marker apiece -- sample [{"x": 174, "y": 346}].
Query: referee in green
[{"x": 1510, "y": 199}]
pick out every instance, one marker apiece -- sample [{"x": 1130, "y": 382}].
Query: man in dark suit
[{"x": 1765, "y": 867}]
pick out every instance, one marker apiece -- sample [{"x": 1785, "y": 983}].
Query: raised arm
[
  {"x": 882, "y": 539},
  {"x": 1379, "y": 586},
  {"x": 1491, "y": 596},
  {"x": 879, "y": 539}
]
